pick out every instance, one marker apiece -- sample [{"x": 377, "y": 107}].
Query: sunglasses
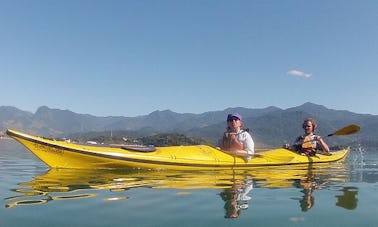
[{"x": 232, "y": 119}]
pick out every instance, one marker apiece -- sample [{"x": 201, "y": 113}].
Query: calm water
[{"x": 326, "y": 195}]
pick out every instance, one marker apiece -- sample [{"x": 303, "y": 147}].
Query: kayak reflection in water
[{"x": 236, "y": 198}]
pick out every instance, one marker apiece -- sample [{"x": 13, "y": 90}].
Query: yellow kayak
[{"x": 60, "y": 154}]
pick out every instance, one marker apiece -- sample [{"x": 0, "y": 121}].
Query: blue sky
[{"x": 129, "y": 58}]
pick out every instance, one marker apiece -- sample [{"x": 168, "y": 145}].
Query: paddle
[{"x": 347, "y": 130}]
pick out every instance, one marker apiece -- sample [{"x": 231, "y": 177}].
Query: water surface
[{"x": 336, "y": 194}]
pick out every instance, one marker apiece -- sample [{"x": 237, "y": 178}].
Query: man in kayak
[
  {"x": 309, "y": 143},
  {"x": 236, "y": 140}
]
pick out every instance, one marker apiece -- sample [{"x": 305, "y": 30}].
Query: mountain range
[{"x": 269, "y": 127}]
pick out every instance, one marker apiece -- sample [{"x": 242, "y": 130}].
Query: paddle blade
[{"x": 347, "y": 130}]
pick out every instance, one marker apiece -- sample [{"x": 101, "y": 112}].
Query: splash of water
[
  {"x": 358, "y": 155},
  {"x": 357, "y": 162}
]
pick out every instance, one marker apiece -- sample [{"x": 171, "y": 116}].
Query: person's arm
[
  {"x": 249, "y": 144},
  {"x": 236, "y": 148},
  {"x": 245, "y": 148},
  {"x": 296, "y": 146},
  {"x": 322, "y": 144},
  {"x": 235, "y": 144}
]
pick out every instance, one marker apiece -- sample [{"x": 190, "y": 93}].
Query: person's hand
[
  {"x": 233, "y": 136},
  {"x": 230, "y": 135},
  {"x": 286, "y": 146}
]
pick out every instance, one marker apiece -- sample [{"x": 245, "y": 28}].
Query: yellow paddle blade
[{"x": 347, "y": 130}]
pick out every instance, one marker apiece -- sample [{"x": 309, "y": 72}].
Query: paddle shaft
[{"x": 347, "y": 130}]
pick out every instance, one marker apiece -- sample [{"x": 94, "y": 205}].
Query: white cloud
[{"x": 298, "y": 73}]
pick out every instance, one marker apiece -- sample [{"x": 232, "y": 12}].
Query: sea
[{"x": 334, "y": 194}]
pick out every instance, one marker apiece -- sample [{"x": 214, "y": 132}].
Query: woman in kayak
[
  {"x": 309, "y": 143},
  {"x": 236, "y": 140}
]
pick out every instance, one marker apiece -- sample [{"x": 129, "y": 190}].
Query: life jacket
[
  {"x": 227, "y": 143},
  {"x": 308, "y": 145}
]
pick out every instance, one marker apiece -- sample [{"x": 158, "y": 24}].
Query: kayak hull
[{"x": 60, "y": 154}]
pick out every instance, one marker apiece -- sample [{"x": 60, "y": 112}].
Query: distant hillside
[{"x": 270, "y": 127}]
